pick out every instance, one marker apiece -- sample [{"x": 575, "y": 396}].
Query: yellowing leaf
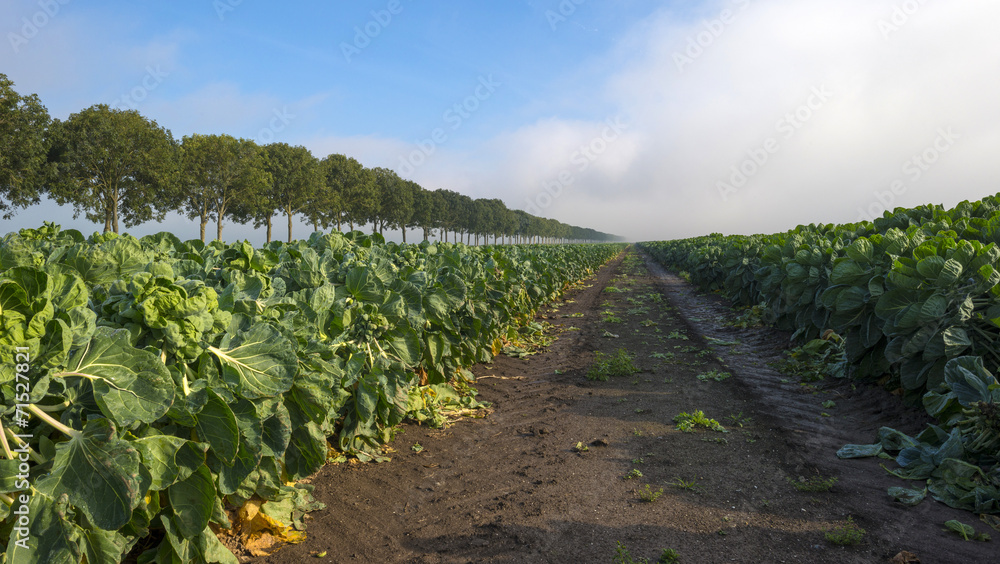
[{"x": 262, "y": 534}]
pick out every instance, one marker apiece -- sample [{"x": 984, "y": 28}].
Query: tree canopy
[
  {"x": 348, "y": 194},
  {"x": 117, "y": 167},
  {"x": 114, "y": 165},
  {"x": 296, "y": 177},
  {"x": 23, "y": 146},
  {"x": 219, "y": 172}
]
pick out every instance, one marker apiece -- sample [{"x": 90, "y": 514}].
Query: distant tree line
[{"x": 117, "y": 167}]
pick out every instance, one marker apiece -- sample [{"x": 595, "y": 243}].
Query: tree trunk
[
  {"x": 289, "y": 213},
  {"x": 114, "y": 213},
  {"x": 220, "y": 213},
  {"x": 204, "y": 218},
  {"x": 404, "y": 234},
  {"x": 268, "y": 228}
]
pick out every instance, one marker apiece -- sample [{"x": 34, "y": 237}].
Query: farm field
[
  {"x": 504, "y": 282},
  {"x": 820, "y": 395},
  {"x": 558, "y": 471},
  {"x": 161, "y": 391}
]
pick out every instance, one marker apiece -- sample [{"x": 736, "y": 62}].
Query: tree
[
  {"x": 522, "y": 222},
  {"x": 348, "y": 194},
  {"x": 445, "y": 216},
  {"x": 490, "y": 217},
  {"x": 384, "y": 182},
  {"x": 114, "y": 164},
  {"x": 480, "y": 218},
  {"x": 362, "y": 199},
  {"x": 395, "y": 201},
  {"x": 23, "y": 148},
  {"x": 295, "y": 179},
  {"x": 328, "y": 206},
  {"x": 536, "y": 228},
  {"x": 219, "y": 172},
  {"x": 503, "y": 221},
  {"x": 428, "y": 207},
  {"x": 458, "y": 216},
  {"x": 325, "y": 207}
]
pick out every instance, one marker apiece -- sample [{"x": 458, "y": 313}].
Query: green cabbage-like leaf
[
  {"x": 908, "y": 496},
  {"x": 259, "y": 363},
  {"x": 99, "y": 473},
  {"x": 203, "y": 548},
  {"x": 192, "y": 501},
  {"x": 169, "y": 458},
  {"x": 51, "y": 536},
  {"x": 969, "y": 380},
  {"x": 130, "y": 384},
  {"x": 216, "y": 425},
  {"x": 859, "y": 451}
]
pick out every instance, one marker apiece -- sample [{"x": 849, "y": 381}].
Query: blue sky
[{"x": 652, "y": 120}]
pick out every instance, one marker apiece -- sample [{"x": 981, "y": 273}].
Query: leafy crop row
[
  {"x": 915, "y": 296},
  {"x": 172, "y": 386}
]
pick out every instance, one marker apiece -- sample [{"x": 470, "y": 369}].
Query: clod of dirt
[
  {"x": 905, "y": 557},
  {"x": 599, "y": 443},
  {"x": 533, "y": 432}
]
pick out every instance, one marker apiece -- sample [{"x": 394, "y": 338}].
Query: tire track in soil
[
  {"x": 860, "y": 412},
  {"x": 510, "y": 488}
]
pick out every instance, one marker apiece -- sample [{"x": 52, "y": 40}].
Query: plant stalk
[
  {"x": 20, "y": 442},
  {"x": 68, "y": 431},
  {"x": 80, "y": 374},
  {"x": 56, "y": 407},
  {"x": 3, "y": 440}
]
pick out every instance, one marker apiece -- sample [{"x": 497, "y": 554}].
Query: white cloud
[
  {"x": 888, "y": 99},
  {"x": 843, "y": 108}
]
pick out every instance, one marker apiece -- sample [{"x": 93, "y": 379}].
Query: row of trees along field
[{"x": 117, "y": 166}]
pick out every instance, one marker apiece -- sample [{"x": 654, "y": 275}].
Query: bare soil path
[{"x": 512, "y": 487}]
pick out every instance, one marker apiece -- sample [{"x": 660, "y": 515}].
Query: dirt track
[{"x": 512, "y": 488}]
